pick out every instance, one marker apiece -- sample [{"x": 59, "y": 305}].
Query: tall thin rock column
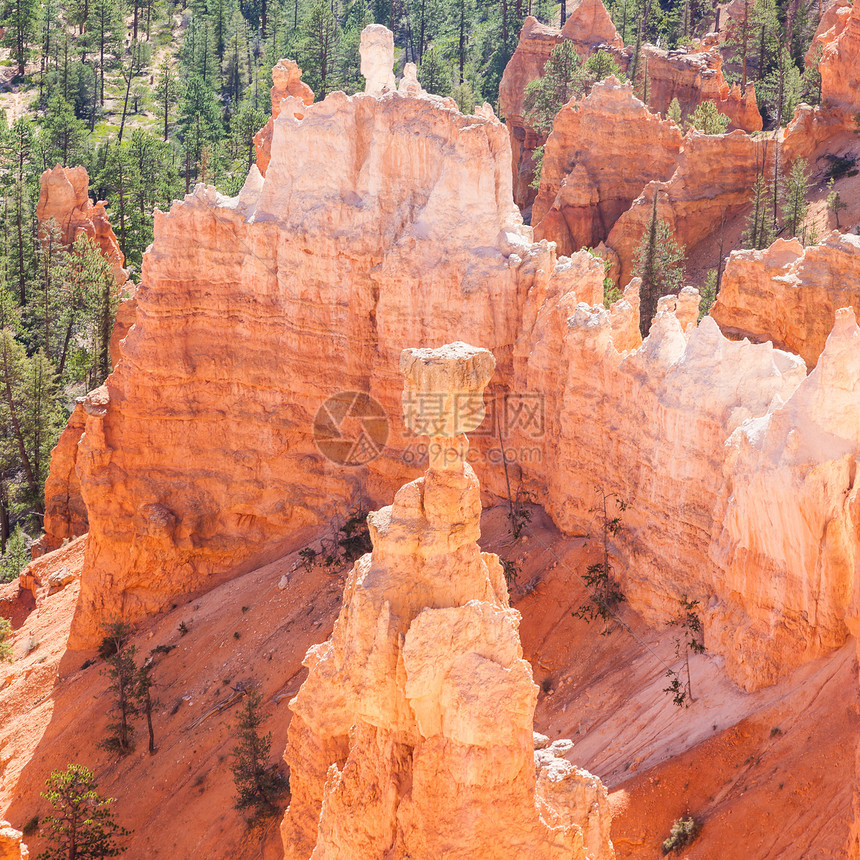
[{"x": 413, "y": 735}]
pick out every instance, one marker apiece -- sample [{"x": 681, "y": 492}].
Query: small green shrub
[
  {"x": 5, "y": 633},
  {"x": 16, "y": 557},
  {"x": 684, "y": 832}
]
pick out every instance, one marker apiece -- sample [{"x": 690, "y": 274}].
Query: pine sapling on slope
[
  {"x": 605, "y": 590},
  {"x": 122, "y": 672},
  {"x": 689, "y": 639},
  {"x": 794, "y": 205},
  {"x": 82, "y": 826},
  {"x": 257, "y": 783},
  {"x": 759, "y": 231},
  {"x": 143, "y": 694}
]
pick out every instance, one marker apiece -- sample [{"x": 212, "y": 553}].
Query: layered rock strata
[
  {"x": 377, "y": 218},
  {"x": 384, "y": 221},
  {"x": 789, "y": 294},
  {"x": 423, "y": 676},
  {"x": 586, "y": 181},
  {"x": 840, "y": 67},
  {"x": 710, "y": 185},
  {"x": 691, "y": 77}
]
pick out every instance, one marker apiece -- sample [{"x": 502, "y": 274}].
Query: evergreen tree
[
  {"x": 707, "y": 119},
  {"x": 674, "y": 112},
  {"x": 123, "y": 674},
  {"x": 759, "y": 228},
  {"x": 82, "y": 825},
  {"x": 143, "y": 692},
  {"x": 562, "y": 79},
  {"x": 659, "y": 262},
  {"x": 20, "y": 18},
  {"x": 794, "y": 191},
  {"x": 199, "y": 121},
  {"x": 320, "y": 39},
  {"x": 257, "y": 784}
]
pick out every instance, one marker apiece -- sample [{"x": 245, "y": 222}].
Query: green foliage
[
  {"x": 601, "y": 65},
  {"x": 258, "y": 784},
  {"x": 659, "y": 262},
  {"x": 689, "y": 625},
  {"x": 537, "y": 162},
  {"x": 17, "y": 555},
  {"x": 674, "y": 112},
  {"x": 759, "y": 231},
  {"x": 707, "y": 119},
  {"x": 794, "y": 205},
  {"x": 563, "y": 78},
  {"x": 5, "y": 646},
  {"x": 834, "y": 202},
  {"x": 684, "y": 832},
  {"x": 604, "y": 590},
  {"x": 708, "y": 293},
  {"x": 122, "y": 671},
  {"x": 81, "y": 824}
]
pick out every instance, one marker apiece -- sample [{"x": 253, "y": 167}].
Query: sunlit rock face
[
  {"x": 840, "y": 66},
  {"x": 380, "y": 221},
  {"x": 586, "y": 181},
  {"x": 691, "y": 77},
  {"x": 423, "y": 676},
  {"x": 789, "y": 294},
  {"x": 390, "y": 221}
]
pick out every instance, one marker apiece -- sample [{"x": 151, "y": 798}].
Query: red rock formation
[
  {"x": 198, "y": 458},
  {"x": 224, "y": 371},
  {"x": 840, "y": 67},
  {"x": 286, "y": 82},
  {"x": 587, "y": 181},
  {"x": 423, "y": 675},
  {"x": 691, "y": 77},
  {"x": 713, "y": 180},
  {"x": 588, "y": 27},
  {"x": 65, "y": 512},
  {"x": 682, "y": 397},
  {"x": 64, "y": 196},
  {"x": 789, "y": 294},
  {"x": 832, "y": 23},
  {"x": 694, "y": 77}
]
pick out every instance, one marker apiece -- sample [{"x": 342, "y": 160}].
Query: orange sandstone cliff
[{"x": 423, "y": 676}]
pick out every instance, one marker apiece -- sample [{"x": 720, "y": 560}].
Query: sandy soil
[{"x": 760, "y": 770}]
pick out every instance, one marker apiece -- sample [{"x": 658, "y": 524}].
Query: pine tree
[
  {"x": 674, "y": 112},
  {"x": 794, "y": 205},
  {"x": 82, "y": 825},
  {"x": 563, "y": 78},
  {"x": 20, "y": 19},
  {"x": 759, "y": 228},
  {"x": 659, "y": 262},
  {"x": 122, "y": 671},
  {"x": 143, "y": 693},
  {"x": 199, "y": 120},
  {"x": 257, "y": 784},
  {"x": 707, "y": 119},
  {"x": 320, "y": 39}
]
